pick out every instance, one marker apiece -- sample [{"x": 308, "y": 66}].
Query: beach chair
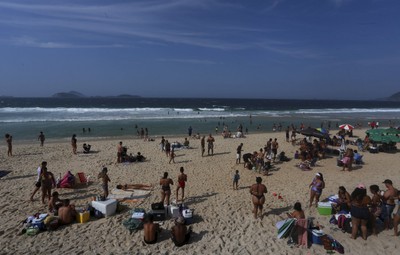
[{"x": 83, "y": 179}]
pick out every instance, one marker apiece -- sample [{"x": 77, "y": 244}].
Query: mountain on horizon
[
  {"x": 71, "y": 94},
  {"x": 394, "y": 97}
]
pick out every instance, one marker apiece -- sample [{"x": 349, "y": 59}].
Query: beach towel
[
  {"x": 284, "y": 227},
  {"x": 131, "y": 196},
  {"x": 302, "y": 234}
]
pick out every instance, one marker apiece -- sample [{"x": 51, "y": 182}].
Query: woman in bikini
[
  {"x": 165, "y": 183},
  {"x": 317, "y": 185},
  {"x": 257, "y": 191}
]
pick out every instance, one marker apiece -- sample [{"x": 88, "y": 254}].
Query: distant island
[
  {"x": 75, "y": 94},
  {"x": 394, "y": 97}
]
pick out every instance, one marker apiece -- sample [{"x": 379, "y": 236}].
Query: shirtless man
[
  {"x": 151, "y": 230},
  {"x": 274, "y": 148},
  {"x": 165, "y": 183},
  {"x": 119, "y": 152},
  {"x": 182, "y": 179},
  {"x": 388, "y": 205},
  {"x": 73, "y": 143},
  {"x": 257, "y": 191},
  {"x": 9, "y": 144},
  {"x": 210, "y": 142},
  {"x": 41, "y": 138},
  {"x": 38, "y": 183},
  {"x": 180, "y": 234},
  {"x": 203, "y": 145},
  {"x": 66, "y": 213}
]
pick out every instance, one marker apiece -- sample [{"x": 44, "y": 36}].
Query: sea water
[{"x": 59, "y": 118}]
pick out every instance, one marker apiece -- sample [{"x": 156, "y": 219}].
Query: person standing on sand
[
  {"x": 119, "y": 152},
  {"x": 167, "y": 148},
  {"x": 257, "y": 191},
  {"x": 236, "y": 178},
  {"x": 165, "y": 183},
  {"x": 9, "y": 144},
  {"x": 73, "y": 143},
  {"x": 203, "y": 145},
  {"x": 104, "y": 181},
  {"x": 38, "y": 183},
  {"x": 317, "y": 185},
  {"x": 47, "y": 183},
  {"x": 239, "y": 153},
  {"x": 172, "y": 156},
  {"x": 388, "y": 204},
  {"x": 182, "y": 179},
  {"x": 210, "y": 142},
  {"x": 41, "y": 138},
  {"x": 274, "y": 148},
  {"x": 190, "y": 130},
  {"x": 162, "y": 144}
]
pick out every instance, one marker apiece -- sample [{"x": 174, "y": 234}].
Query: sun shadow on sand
[
  {"x": 279, "y": 211},
  {"x": 199, "y": 199},
  {"x": 18, "y": 177},
  {"x": 222, "y": 153},
  {"x": 183, "y": 161}
]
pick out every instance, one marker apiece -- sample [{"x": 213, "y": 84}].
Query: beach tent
[{"x": 68, "y": 181}]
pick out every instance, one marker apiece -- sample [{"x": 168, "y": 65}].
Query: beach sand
[{"x": 223, "y": 221}]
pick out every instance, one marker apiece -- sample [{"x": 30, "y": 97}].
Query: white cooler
[{"x": 108, "y": 207}]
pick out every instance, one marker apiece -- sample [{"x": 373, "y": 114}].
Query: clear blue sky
[{"x": 339, "y": 49}]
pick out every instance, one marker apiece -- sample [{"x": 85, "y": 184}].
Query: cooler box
[
  {"x": 82, "y": 217},
  {"x": 107, "y": 207},
  {"x": 173, "y": 210},
  {"x": 158, "y": 215},
  {"x": 188, "y": 215},
  {"x": 325, "y": 208},
  {"x": 316, "y": 236}
]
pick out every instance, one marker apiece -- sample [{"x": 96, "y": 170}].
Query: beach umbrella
[
  {"x": 323, "y": 130},
  {"x": 313, "y": 132},
  {"x": 346, "y": 127},
  {"x": 383, "y": 131}
]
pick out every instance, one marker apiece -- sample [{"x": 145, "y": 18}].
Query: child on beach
[
  {"x": 172, "y": 156},
  {"x": 236, "y": 178},
  {"x": 105, "y": 180}
]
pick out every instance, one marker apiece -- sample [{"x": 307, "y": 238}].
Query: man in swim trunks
[
  {"x": 66, "y": 213},
  {"x": 203, "y": 145},
  {"x": 41, "y": 138},
  {"x": 257, "y": 191},
  {"x": 119, "y": 152},
  {"x": 38, "y": 183},
  {"x": 182, "y": 179},
  {"x": 165, "y": 183},
  {"x": 210, "y": 142},
  {"x": 239, "y": 153},
  {"x": 388, "y": 203},
  {"x": 180, "y": 234}
]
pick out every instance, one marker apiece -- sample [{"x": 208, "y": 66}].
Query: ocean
[{"x": 59, "y": 118}]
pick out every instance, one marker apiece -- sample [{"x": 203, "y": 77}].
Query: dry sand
[{"x": 223, "y": 220}]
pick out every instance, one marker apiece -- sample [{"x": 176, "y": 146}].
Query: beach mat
[
  {"x": 4, "y": 173},
  {"x": 131, "y": 196}
]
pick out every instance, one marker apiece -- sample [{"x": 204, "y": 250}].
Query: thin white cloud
[
  {"x": 187, "y": 61},
  {"x": 135, "y": 22}
]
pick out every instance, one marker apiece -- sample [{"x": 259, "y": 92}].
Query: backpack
[{"x": 344, "y": 223}]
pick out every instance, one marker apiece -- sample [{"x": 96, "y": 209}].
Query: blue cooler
[{"x": 316, "y": 236}]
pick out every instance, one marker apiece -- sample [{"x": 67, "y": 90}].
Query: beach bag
[
  {"x": 344, "y": 223},
  {"x": 157, "y": 206},
  {"x": 337, "y": 246},
  {"x": 133, "y": 225},
  {"x": 32, "y": 231},
  {"x": 327, "y": 243}
]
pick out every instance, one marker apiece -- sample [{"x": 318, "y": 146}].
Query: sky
[{"x": 295, "y": 49}]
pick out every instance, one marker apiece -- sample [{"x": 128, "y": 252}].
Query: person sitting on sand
[
  {"x": 186, "y": 142},
  {"x": 140, "y": 157},
  {"x": 151, "y": 230},
  {"x": 66, "y": 213},
  {"x": 86, "y": 148},
  {"x": 180, "y": 234},
  {"x": 54, "y": 203},
  {"x": 298, "y": 212},
  {"x": 165, "y": 183},
  {"x": 344, "y": 200},
  {"x": 257, "y": 191}
]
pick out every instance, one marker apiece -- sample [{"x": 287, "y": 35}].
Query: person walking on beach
[
  {"x": 167, "y": 148},
  {"x": 182, "y": 179},
  {"x": 104, "y": 181},
  {"x": 190, "y": 130},
  {"x": 41, "y": 138},
  {"x": 210, "y": 142},
  {"x": 47, "y": 183},
  {"x": 172, "y": 156},
  {"x": 287, "y": 134},
  {"x": 38, "y": 183},
  {"x": 203, "y": 145},
  {"x": 120, "y": 149},
  {"x": 274, "y": 148},
  {"x": 165, "y": 183},
  {"x": 317, "y": 185},
  {"x": 236, "y": 178},
  {"x": 73, "y": 143},
  {"x": 162, "y": 144},
  {"x": 239, "y": 153},
  {"x": 9, "y": 144},
  {"x": 257, "y": 192}
]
